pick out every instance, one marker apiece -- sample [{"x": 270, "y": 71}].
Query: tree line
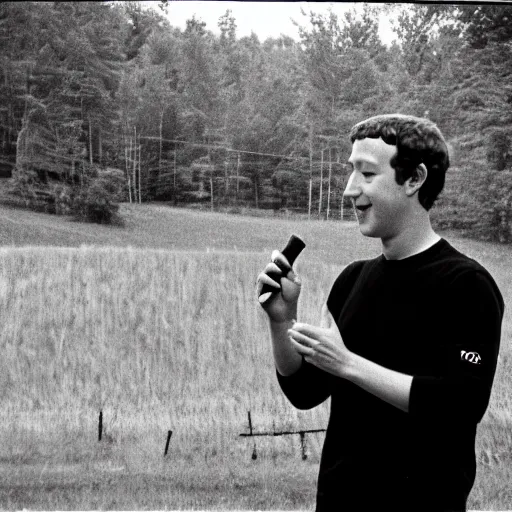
[{"x": 102, "y": 102}]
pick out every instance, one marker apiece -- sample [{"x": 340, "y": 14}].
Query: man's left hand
[{"x": 322, "y": 346}]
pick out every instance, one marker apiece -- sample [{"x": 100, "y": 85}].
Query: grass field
[{"x": 157, "y": 326}]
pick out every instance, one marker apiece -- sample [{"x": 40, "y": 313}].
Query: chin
[{"x": 368, "y": 231}]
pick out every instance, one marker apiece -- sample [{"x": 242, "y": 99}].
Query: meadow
[{"x": 157, "y": 326}]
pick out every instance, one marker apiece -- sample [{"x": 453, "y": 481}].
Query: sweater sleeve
[
  {"x": 310, "y": 386},
  {"x": 307, "y": 387},
  {"x": 462, "y": 389}
]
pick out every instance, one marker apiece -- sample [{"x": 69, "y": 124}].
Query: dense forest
[{"x": 102, "y": 102}]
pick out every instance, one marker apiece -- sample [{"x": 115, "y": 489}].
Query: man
[{"x": 408, "y": 341}]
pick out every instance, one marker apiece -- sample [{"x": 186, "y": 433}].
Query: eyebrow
[{"x": 367, "y": 160}]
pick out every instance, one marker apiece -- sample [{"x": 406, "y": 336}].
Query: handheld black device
[{"x": 290, "y": 252}]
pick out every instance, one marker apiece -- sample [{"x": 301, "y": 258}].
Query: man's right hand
[{"x": 282, "y": 307}]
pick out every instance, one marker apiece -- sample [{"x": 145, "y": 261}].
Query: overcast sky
[{"x": 266, "y": 19}]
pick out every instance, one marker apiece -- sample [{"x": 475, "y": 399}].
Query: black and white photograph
[{"x": 256, "y": 256}]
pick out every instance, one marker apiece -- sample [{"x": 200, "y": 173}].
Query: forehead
[{"x": 373, "y": 151}]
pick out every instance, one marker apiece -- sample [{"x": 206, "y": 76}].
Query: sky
[{"x": 266, "y": 19}]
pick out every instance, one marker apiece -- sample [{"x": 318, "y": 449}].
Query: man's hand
[
  {"x": 283, "y": 306},
  {"x": 322, "y": 346}
]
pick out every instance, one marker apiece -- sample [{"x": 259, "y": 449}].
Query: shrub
[
  {"x": 97, "y": 200},
  {"x": 62, "y": 197}
]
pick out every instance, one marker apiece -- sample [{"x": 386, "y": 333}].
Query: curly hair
[{"x": 418, "y": 141}]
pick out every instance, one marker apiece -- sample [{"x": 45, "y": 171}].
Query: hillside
[
  {"x": 158, "y": 340},
  {"x": 159, "y": 226},
  {"x": 163, "y": 227}
]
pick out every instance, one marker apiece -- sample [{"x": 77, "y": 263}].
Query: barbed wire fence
[{"x": 301, "y": 433}]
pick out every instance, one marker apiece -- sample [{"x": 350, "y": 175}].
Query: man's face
[{"x": 380, "y": 203}]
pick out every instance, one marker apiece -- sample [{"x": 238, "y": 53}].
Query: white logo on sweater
[{"x": 472, "y": 357}]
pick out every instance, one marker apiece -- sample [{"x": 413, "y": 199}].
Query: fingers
[
  {"x": 308, "y": 339},
  {"x": 279, "y": 260},
  {"x": 301, "y": 339},
  {"x": 302, "y": 349},
  {"x": 264, "y": 279},
  {"x": 277, "y": 268},
  {"x": 269, "y": 275},
  {"x": 302, "y": 344},
  {"x": 318, "y": 352},
  {"x": 311, "y": 331}
]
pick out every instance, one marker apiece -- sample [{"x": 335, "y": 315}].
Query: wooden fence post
[
  {"x": 100, "y": 426},
  {"x": 169, "y": 434},
  {"x": 250, "y": 422},
  {"x": 303, "y": 445},
  {"x": 254, "y": 455}
]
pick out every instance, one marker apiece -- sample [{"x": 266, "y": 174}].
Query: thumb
[{"x": 293, "y": 277}]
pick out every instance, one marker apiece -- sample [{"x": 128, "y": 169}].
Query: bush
[
  {"x": 97, "y": 200},
  {"x": 25, "y": 190},
  {"x": 62, "y": 196}
]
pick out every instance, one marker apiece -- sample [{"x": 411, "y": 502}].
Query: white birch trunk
[
  {"x": 237, "y": 178},
  {"x": 321, "y": 184},
  {"x": 90, "y": 139},
  {"x": 128, "y": 172},
  {"x": 140, "y": 179},
  {"x": 329, "y": 188},
  {"x": 135, "y": 165}
]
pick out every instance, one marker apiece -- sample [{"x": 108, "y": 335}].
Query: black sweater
[{"x": 436, "y": 316}]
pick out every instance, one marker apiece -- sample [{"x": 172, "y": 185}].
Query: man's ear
[{"x": 414, "y": 183}]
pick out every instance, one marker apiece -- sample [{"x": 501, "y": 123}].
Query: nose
[{"x": 352, "y": 190}]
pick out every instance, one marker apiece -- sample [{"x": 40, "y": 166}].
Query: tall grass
[
  {"x": 155, "y": 339},
  {"x": 174, "y": 340}
]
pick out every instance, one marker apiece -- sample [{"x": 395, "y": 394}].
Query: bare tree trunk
[
  {"x": 174, "y": 177},
  {"x": 310, "y": 169},
  {"x": 338, "y": 160},
  {"x": 83, "y": 154},
  {"x": 237, "y": 178},
  {"x": 10, "y": 113},
  {"x": 127, "y": 167},
  {"x": 135, "y": 165},
  {"x": 329, "y": 190},
  {"x": 140, "y": 181},
  {"x": 160, "y": 147},
  {"x": 226, "y": 180},
  {"x": 321, "y": 183},
  {"x": 211, "y": 191},
  {"x": 100, "y": 149},
  {"x": 310, "y": 197},
  {"x": 90, "y": 139},
  {"x": 20, "y": 145},
  {"x": 28, "y": 89}
]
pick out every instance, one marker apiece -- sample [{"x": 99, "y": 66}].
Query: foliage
[
  {"x": 65, "y": 78},
  {"x": 87, "y": 84},
  {"x": 96, "y": 199},
  {"x": 494, "y": 202}
]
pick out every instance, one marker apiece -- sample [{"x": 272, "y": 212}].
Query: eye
[{"x": 368, "y": 174}]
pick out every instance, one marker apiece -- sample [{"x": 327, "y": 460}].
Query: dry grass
[
  {"x": 156, "y": 340},
  {"x": 174, "y": 340}
]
